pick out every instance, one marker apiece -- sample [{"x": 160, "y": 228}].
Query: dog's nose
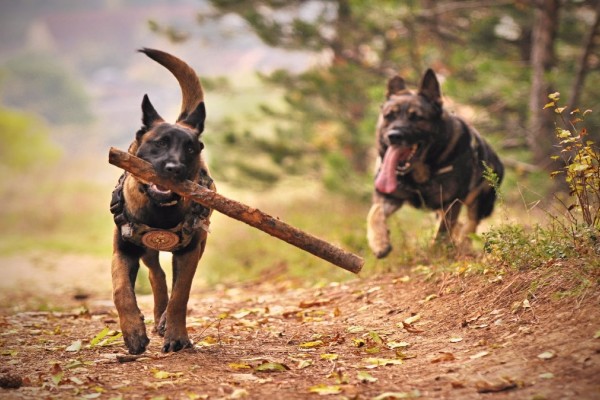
[
  {"x": 176, "y": 170},
  {"x": 395, "y": 137}
]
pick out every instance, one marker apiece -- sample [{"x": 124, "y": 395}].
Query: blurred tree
[
  {"x": 543, "y": 60},
  {"x": 495, "y": 55},
  {"x": 25, "y": 141},
  {"x": 37, "y": 83}
]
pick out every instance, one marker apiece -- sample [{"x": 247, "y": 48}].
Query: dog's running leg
[
  {"x": 124, "y": 272},
  {"x": 184, "y": 268},
  {"x": 378, "y": 234},
  {"x": 448, "y": 220},
  {"x": 158, "y": 281}
]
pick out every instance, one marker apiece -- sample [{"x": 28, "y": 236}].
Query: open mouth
[
  {"x": 405, "y": 156},
  {"x": 162, "y": 195},
  {"x": 398, "y": 160}
]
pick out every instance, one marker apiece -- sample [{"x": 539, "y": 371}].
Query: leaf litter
[{"x": 275, "y": 338}]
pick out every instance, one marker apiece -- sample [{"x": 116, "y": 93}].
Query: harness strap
[{"x": 160, "y": 239}]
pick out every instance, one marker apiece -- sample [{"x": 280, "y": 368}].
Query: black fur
[{"x": 429, "y": 159}]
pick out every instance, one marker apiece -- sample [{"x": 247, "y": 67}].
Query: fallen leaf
[
  {"x": 241, "y": 313},
  {"x": 207, "y": 341},
  {"x": 329, "y": 357},
  {"x": 91, "y": 395},
  {"x": 380, "y": 362},
  {"x": 488, "y": 387},
  {"x": 398, "y": 395},
  {"x": 373, "y": 350},
  {"x": 159, "y": 374},
  {"x": 238, "y": 394},
  {"x": 456, "y": 339},
  {"x": 196, "y": 396},
  {"x": 375, "y": 337},
  {"x": 443, "y": 357},
  {"x": 76, "y": 364},
  {"x": 365, "y": 377},
  {"x": 411, "y": 320},
  {"x": 431, "y": 297},
  {"x": 355, "y": 329},
  {"x": 304, "y": 363},
  {"x": 271, "y": 367},
  {"x": 311, "y": 345},
  {"x": 409, "y": 328},
  {"x": 74, "y": 347},
  {"x": 402, "y": 356},
  {"x": 479, "y": 355},
  {"x": 547, "y": 375},
  {"x": 397, "y": 345},
  {"x": 546, "y": 355},
  {"x": 101, "y": 335},
  {"x": 75, "y": 380},
  {"x": 597, "y": 335},
  {"x": 238, "y": 366},
  {"x": 325, "y": 390},
  {"x": 403, "y": 279},
  {"x": 314, "y": 303},
  {"x": 56, "y": 374},
  {"x": 106, "y": 338},
  {"x": 340, "y": 377}
]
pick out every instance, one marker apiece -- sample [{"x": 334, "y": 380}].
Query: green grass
[
  {"x": 51, "y": 210},
  {"x": 58, "y": 210}
]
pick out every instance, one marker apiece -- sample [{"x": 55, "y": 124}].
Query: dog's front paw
[
  {"x": 161, "y": 326},
  {"x": 383, "y": 252},
  {"x": 136, "y": 341},
  {"x": 176, "y": 344}
]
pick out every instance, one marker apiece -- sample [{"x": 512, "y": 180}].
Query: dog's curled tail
[{"x": 191, "y": 89}]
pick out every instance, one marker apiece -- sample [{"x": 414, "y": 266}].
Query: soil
[{"x": 410, "y": 334}]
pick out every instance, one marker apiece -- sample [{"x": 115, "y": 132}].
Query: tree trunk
[
  {"x": 582, "y": 68},
  {"x": 541, "y": 122}
]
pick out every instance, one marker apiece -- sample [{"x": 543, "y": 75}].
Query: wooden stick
[{"x": 239, "y": 211}]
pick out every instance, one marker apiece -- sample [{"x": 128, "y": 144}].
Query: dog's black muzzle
[{"x": 403, "y": 137}]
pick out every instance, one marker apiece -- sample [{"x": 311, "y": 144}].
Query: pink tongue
[{"x": 386, "y": 181}]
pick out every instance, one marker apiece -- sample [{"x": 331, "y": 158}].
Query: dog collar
[{"x": 160, "y": 239}]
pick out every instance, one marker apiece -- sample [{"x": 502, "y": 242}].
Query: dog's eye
[
  {"x": 191, "y": 150},
  {"x": 162, "y": 143},
  {"x": 413, "y": 116},
  {"x": 390, "y": 116}
]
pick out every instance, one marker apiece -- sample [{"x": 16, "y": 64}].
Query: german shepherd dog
[
  {"x": 431, "y": 159},
  {"x": 150, "y": 218}
]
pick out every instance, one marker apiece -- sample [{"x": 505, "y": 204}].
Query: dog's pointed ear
[
  {"x": 149, "y": 114},
  {"x": 430, "y": 88},
  {"x": 196, "y": 118},
  {"x": 395, "y": 86}
]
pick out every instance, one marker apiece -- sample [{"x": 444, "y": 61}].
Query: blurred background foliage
[
  {"x": 293, "y": 91},
  {"x": 486, "y": 53}
]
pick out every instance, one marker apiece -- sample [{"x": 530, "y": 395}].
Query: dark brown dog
[
  {"x": 429, "y": 159},
  {"x": 150, "y": 218}
]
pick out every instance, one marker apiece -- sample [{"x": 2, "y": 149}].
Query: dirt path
[{"x": 441, "y": 336}]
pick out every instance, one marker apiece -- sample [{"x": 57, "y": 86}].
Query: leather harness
[{"x": 172, "y": 239}]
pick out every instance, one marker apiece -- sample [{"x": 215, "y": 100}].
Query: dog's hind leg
[
  {"x": 185, "y": 263},
  {"x": 378, "y": 234},
  {"x": 124, "y": 271},
  {"x": 158, "y": 281}
]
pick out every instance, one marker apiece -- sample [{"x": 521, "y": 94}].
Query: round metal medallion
[{"x": 160, "y": 240}]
